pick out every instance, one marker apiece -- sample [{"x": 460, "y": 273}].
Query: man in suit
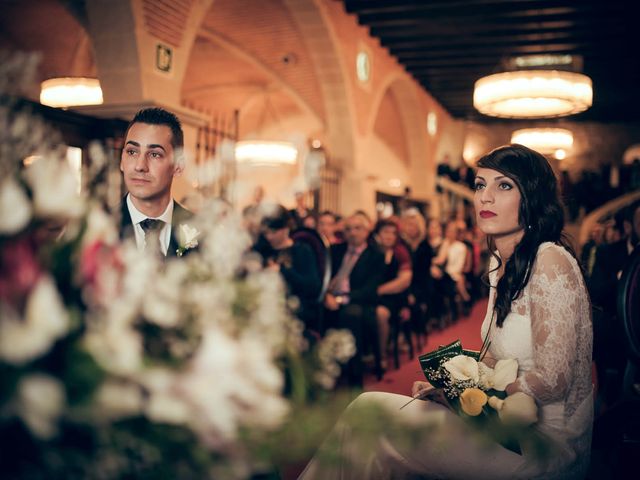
[
  {"x": 603, "y": 286},
  {"x": 151, "y": 158},
  {"x": 352, "y": 296}
]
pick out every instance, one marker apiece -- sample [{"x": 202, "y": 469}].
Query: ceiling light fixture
[
  {"x": 70, "y": 92},
  {"x": 544, "y": 140},
  {"x": 533, "y": 94},
  {"x": 265, "y": 152},
  {"x": 262, "y": 150}
]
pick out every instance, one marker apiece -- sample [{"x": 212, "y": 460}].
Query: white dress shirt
[{"x": 165, "y": 232}]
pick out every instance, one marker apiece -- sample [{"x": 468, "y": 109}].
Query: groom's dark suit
[{"x": 180, "y": 215}]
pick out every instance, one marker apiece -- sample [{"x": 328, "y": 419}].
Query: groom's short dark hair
[{"x": 160, "y": 116}]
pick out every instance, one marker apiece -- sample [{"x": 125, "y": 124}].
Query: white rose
[
  {"x": 46, "y": 320},
  {"x": 518, "y": 408},
  {"x": 119, "y": 399},
  {"x": 15, "y": 209},
  {"x": 165, "y": 408},
  {"x": 41, "y": 399},
  {"x": 188, "y": 236},
  {"x": 100, "y": 227},
  {"x": 504, "y": 373},
  {"x": 55, "y": 189},
  {"x": 462, "y": 368}
]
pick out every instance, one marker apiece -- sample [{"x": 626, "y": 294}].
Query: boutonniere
[{"x": 188, "y": 237}]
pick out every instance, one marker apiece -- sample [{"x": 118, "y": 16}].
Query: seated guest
[
  {"x": 608, "y": 335},
  {"x": 393, "y": 291},
  {"x": 327, "y": 227},
  {"x": 352, "y": 295},
  {"x": 589, "y": 249},
  {"x": 297, "y": 264},
  {"x": 300, "y": 212},
  {"x": 414, "y": 234},
  {"x": 451, "y": 260}
]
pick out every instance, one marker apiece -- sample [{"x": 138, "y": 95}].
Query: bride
[{"x": 539, "y": 313}]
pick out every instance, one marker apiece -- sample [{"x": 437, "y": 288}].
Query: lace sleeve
[{"x": 555, "y": 317}]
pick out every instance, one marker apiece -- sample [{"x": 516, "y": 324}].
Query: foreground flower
[
  {"x": 519, "y": 409},
  {"x": 472, "y": 400},
  {"x": 19, "y": 270},
  {"x": 41, "y": 400},
  {"x": 462, "y": 367},
  {"x": 188, "y": 238},
  {"x": 22, "y": 340},
  {"x": 497, "y": 378},
  {"x": 54, "y": 189},
  {"x": 15, "y": 210}
]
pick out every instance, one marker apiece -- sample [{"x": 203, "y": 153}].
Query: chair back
[
  {"x": 322, "y": 251},
  {"x": 629, "y": 305}
]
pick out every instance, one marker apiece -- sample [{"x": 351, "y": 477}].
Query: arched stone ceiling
[{"x": 243, "y": 47}]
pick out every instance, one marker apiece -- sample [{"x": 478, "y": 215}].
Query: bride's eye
[
  {"x": 479, "y": 186},
  {"x": 505, "y": 186}
]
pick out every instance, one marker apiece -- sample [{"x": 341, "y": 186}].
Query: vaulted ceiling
[{"x": 449, "y": 44}]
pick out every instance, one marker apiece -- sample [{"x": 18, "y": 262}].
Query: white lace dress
[{"x": 549, "y": 332}]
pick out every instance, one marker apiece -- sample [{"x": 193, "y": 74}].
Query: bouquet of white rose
[{"x": 477, "y": 392}]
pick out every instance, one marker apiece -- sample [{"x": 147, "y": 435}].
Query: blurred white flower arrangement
[{"x": 112, "y": 362}]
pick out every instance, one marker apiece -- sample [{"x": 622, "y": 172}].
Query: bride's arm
[{"x": 555, "y": 305}]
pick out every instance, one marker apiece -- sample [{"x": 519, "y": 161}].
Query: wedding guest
[
  {"x": 414, "y": 234},
  {"x": 393, "y": 291},
  {"x": 451, "y": 260},
  {"x": 603, "y": 285},
  {"x": 327, "y": 226},
  {"x": 538, "y": 313},
  {"x": 589, "y": 249},
  {"x": 151, "y": 158},
  {"x": 297, "y": 264},
  {"x": 442, "y": 287},
  {"x": 301, "y": 211},
  {"x": 352, "y": 295}
]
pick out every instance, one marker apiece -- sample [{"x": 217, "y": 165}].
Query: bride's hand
[{"x": 419, "y": 388}]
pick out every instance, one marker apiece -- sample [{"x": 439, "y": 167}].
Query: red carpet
[{"x": 467, "y": 329}]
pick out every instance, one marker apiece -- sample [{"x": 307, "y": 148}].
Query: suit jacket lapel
[{"x": 126, "y": 225}]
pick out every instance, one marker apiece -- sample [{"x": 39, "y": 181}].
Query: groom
[{"x": 151, "y": 157}]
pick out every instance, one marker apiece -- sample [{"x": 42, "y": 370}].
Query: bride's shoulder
[{"x": 553, "y": 259}]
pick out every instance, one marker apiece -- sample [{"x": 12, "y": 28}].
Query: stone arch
[
  {"x": 256, "y": 63},
  {"x": 322, "y": 44},
  {"x": 414, "y": 125},
  {"x": 315, "y": 28}
]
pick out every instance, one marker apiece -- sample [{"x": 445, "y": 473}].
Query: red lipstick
[{"x": 487, "y": 214}]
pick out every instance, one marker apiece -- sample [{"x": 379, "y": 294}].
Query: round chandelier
[
  {"x": 544, "y": 140},
  {"x": 266, "y": 152},
  {"x": 70, "y": 92},
  {"x": 533, "y": 94}
]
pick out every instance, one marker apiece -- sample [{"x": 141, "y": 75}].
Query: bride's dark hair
[{"x": 541, "y": 215}]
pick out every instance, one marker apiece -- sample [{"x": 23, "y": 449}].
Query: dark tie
[{"x": 151, "y": 228}]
